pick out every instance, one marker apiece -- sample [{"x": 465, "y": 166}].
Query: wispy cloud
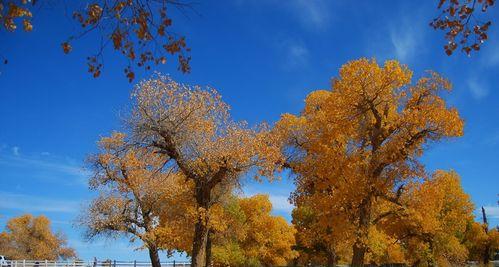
[
  {"x": 44, "y": 162},
  {"x": 281, "y": 203},
  {"x": 405, "y": 39},
  {"x": 297, "y": 55},
  {"x": 15, "y": 151},
  {"x": 489, "y": 52},
  {"x": 404, "y": 44},
  {"x": 314, "y": 15},
  {"x": 478, "y": 89},
  {"x": 492, "y": 211},
  {"x": 29, "y": 203},
  {"x": 397, "y": 37}
]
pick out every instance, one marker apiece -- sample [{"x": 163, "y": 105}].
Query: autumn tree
[
  {"x": 481, "y": 242},
  {"x": 253, "y": 237},
  {"x": 140, "y": 30},
  {"x": 30, "y": 237},
  {"x": 463, "y": 24},
  {"x": 319, "y": 243},
  {"x": 135, "y": 188},
  {"x": 433, "y": 229},
  {"x": 191, "y": 128},
  {"x": 357, "y": 145}
]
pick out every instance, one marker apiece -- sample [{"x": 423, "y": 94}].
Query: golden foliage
[
  {"x": 253, "y": 236},
  {"x": 29, "y": 237},
  {"x": 138, "y": 195},
  {"x": 355, "y": 147},
  {"x": 10, "y": 11},
  {"x": 438, "y": 216},
  {"x": 191, "y": 129}
]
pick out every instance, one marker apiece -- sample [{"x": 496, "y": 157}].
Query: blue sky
[{"x": 263, "y": 56}]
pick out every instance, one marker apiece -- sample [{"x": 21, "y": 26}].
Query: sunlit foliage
[
  {"x": 135, "y": 190},
  {"x": 191, "y": 128},
  {"x": 29, "y": 237},
  {"x": 253, "y": 237},
  {"x": 355, "y": 147}
]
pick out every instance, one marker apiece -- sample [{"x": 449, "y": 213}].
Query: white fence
[{"x": 107, "y": 263}]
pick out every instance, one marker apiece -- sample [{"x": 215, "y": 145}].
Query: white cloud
[
  {"x": 281, "y": 203},
  {"x": 297, "y": 55},
  {"x": 477, "y": 89},
  {"x": 15, "y": 150},
  {"x": 405, "y": 39},
  {"x": 313, "y": 14},
  {"x": 492, "y": 212},
  {"x": 29, "y": 203},
  {"x": 46, "y": 162},
  {"x": 493, "y": 57},
  {"x": 489, "y": 51},
  {"x": 397, "y": 37}
]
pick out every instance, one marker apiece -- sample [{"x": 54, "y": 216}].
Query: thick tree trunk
[
  {"x": 359, "y": 251},
  {"x": 201, "y": 231},
  {"x": 360, "y": 247},
  {"x": 331, "y": 259},
  {"x": 200, "y": 244},
  {"x": 208, "y": 248},
  {"x": 154, "y": 256}
]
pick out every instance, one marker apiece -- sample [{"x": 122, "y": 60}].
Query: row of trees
[
  {"x": 362, "y": 195},
  {"x": 152, "y": 201}
]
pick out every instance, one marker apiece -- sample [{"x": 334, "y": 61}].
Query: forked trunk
[
  {"x": 360, "y": 247},
  {"x": 154, "y": 256}
]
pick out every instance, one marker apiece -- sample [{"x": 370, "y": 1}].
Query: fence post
[
  {"x": 173, "y": 263},
  {"x": 134, "y": 263},
  {"x": 114, "y": 263}
]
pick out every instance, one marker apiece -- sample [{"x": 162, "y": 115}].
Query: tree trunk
[
  {"x": 486, "y": 252},
  {"x": 208, "y": 248},
  {"x": 360, "y": 247},
  {"x": 201, "y": 231},
  {"x": 331, "y": 259},
  {"x": 154, "y": 256}
]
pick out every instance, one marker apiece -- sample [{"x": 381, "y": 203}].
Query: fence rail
[{"x": 77, "y": 263}]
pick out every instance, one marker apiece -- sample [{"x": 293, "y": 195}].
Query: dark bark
[
  {"x": 201, "y": 231},
  {"x": 359, "y": 247},
  {"x": 331, "y": 259},
  {"x": 208, "y": 249},
  {"x": 154, "y": 256},
  {"x": 486, "y": 253}
]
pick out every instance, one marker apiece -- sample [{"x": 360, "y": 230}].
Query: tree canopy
[
  {"x": 30, "y": 237},
  {"x": 355, "y": 147}
]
